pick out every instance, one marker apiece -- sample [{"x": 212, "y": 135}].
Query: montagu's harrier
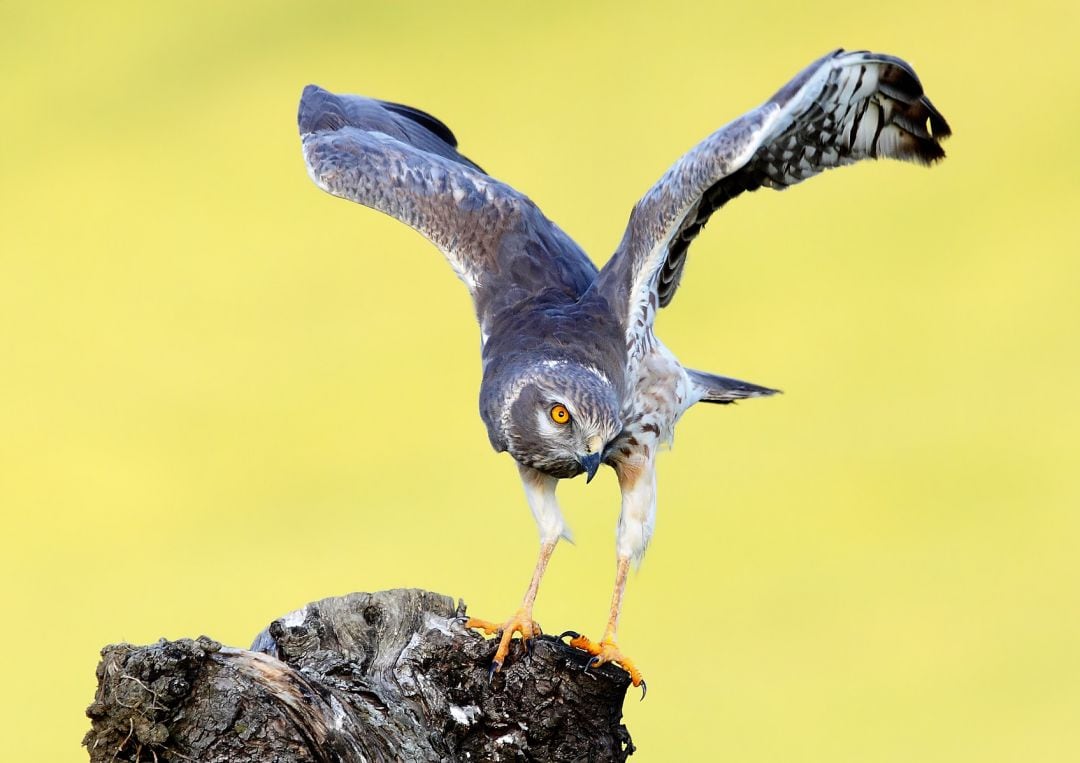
[{"x": 573, "y": 376}]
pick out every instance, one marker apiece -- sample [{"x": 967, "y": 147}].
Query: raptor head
[{"x": 560, "y": 417}]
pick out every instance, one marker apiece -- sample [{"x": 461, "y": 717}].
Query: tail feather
[{"x": 724, "y": 389}]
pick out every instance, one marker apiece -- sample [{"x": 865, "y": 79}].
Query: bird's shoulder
[{"x": 551, "y": 325}]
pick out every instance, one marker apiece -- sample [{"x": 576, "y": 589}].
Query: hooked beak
[{"x": 590, "y": 464}]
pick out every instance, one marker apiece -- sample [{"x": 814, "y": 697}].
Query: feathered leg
[
  {"x": 540, "y": 492},
  {"x": 637, "y": 479}
]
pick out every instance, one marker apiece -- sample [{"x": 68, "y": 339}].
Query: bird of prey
[{"x": 573, "y": 375}]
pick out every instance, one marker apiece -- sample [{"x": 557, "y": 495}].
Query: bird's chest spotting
[{"x": 659, "y": 393}]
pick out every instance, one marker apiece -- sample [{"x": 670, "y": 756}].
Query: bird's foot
[
  {"x": 521, "y": 622},
  {"x": 606, "y": 651}
]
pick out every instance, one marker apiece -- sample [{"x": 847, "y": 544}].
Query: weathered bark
[{"x": 366, "y": 677}]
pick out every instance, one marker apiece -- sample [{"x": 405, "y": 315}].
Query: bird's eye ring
[{"x": 559, "y": 414}]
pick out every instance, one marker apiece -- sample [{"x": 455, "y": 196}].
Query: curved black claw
[
  {"x": 496, "y": 666},
  {"x": 644, "y": 688},
  {"x": 571, "y": 634},
  {"x": 593, "y": 662}
]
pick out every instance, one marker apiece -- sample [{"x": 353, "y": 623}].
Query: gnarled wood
[{"x": 383, "y": 676}]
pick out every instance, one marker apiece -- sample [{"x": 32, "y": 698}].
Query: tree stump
[{"x": 385, "y": 676}]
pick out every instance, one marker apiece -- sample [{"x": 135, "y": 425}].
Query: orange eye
[{"x": 560, "y": 415}]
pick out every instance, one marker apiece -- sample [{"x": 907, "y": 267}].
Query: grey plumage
[
  {"x": 842, "y": 108},
  {"x": 556, "y": 332},
  {"x": 387, "y": 157}
]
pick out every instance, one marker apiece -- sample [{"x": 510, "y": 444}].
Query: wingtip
[
  {"x": 317, "y": 110},
  {"x": 938, "y": 126}
]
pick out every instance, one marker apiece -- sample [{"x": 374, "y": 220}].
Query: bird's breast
[{"x": 658, "y": 394}]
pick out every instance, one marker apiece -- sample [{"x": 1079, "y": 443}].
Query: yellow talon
[
  {"x": 521, "y": 622},
  {"x": 608, "y": 651}
]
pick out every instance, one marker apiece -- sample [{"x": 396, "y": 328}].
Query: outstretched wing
[
  {"x": 842, "y": 108},
  {"x": 405, "y": 163}
]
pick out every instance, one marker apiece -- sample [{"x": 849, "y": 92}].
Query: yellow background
[{"x": 224, "y": 394}]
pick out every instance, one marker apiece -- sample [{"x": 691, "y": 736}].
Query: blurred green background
[{"x": 225, "y": 394}]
